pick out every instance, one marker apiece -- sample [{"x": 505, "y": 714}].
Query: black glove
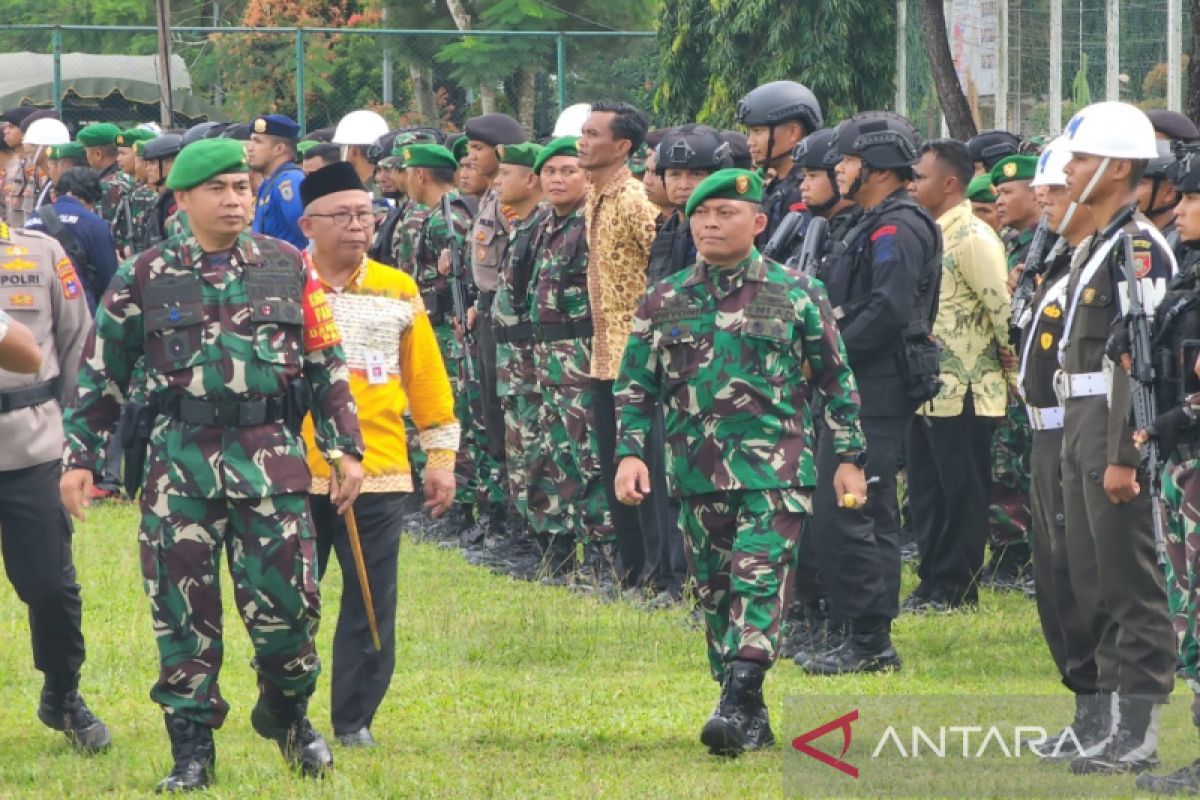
[
  {"x": 1118, "y": 343},
  {"x": 1168, "y": 427}
]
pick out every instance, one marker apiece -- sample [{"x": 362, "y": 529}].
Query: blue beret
[{"x": 279, "y": 125}]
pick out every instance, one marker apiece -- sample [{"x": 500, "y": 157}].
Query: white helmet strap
[
  {"x": 1091, "y": 185},
  {"x": 1066, "y": 220}
]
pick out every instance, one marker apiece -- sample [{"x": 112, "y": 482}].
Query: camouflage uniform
[
  {"x": 221, "y": 332},
  {"x": 727, "y": 350},
  {"x": 114, "y": 207},
  {"x": 566, "y": 493},
  {"x": 141, "y": 201},
  {"x": 1181, "y": 494},
  {"x": 1012, "y": 442},
  {"x": 422, "y": 245},
  {"x": 516, "y": 384}
]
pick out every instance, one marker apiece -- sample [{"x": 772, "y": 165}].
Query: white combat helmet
[
  {"x": 1112, "y": 130},
  {"x": 360, "y": 127},
  {"x": 1050, "y": 165},
  {"x": 47, "y": 132},
  {"x": 570, "y": 121}
]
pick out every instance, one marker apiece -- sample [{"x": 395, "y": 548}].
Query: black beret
[
  {"x": 238, "y": 130},
  {"x": 495, "y": 129},
  {"x": 339, "y": 176},
  {"x": 42, "y": 113},
  {"x": 15, "y": 116},
  {"x": 1173, "y": 125}
]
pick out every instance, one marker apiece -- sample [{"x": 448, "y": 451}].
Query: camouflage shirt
[
  {"x": 1016, "y": 245},
  {"x": 727, "y": 351},
  {"x": 113, "y": 207},
  {"x": 558, "y": 296},
  {"x": 510, "y": 309},
  {"x": 141, "y": 201},
  {"x": 432, "y": 238},
  {"x": 207, "y": 331},
  {"x": 406, "y": 236}
]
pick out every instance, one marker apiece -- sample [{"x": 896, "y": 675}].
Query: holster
[{"x": 137, "y": 422}]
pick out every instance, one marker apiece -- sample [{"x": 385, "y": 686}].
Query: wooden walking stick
[{"x": 360, "y": 564}]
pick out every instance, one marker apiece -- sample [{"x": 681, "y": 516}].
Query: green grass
[{"x": 502, "y": 689}]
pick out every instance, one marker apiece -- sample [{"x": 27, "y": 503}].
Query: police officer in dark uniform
[
  {"x": 159, "y": 154},
  {"x": 988, "y": 148},
  {"x": 882, "y": 278},
  {"x": 271, "y": 152},
  {"x": 808, "y": 629},
  {"x": 778, "y": 115},
  {"x": 1157, "y": 194}
]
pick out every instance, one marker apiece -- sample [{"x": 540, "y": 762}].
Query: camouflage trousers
[
  {"x": 520, "y": 423},
  {"x": 1009, "y": 517},
  {"x": 1181, "y": 495},
  {"x": 565, "y": 488},
  {"x": 464, "y": 463},
  {"x": 741, "y": 548},
  {"x": 269, "y": 543}
]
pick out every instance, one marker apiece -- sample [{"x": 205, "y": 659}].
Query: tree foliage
[{"x": 714, "y": 51}]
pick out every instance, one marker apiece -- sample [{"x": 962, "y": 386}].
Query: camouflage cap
[
  {"x": 98, "y": 134},
  {"x": 733, "y": 184},
  {"x": 562, "y": 146},
  {"x": 1014, "y": 168},
  {"x": 522, "y": 155},
  {"x": 203, "y": 160},
  {"x": 980, "y": 189}
]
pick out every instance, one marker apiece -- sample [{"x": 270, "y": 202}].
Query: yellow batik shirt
[
  {"x": 972, "y": 320},
  {"x": 395, "y": 365}
]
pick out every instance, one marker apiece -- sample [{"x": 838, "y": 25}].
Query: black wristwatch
[{"x": 858, "y": 458}]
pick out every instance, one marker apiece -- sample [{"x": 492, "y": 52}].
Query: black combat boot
[
  {"x": 1134, "y": 747},
  {"x": 1181, "y": 781},
  {"x": 804, "y": 623},
  {"x": 1006, "y": 570},
  {"x": 868, "y": 648},
  {"x": 740, "y": 721},
  {"x": 194, "y": 753},
  {"x": 62, "y": 709},
  {"x": 284, "y": 720},
  {"x": 1086, "y": 736}
]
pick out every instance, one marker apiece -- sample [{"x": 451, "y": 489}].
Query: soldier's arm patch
[
  {"x": 320, "y": 329},
  {"x": 285, "y": 190},
  {"x": 886, "y": 230}
]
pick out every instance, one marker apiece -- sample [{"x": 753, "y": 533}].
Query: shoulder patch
[
  {"x": 1142, "y": 264},
  {"x": 886, "y": 230},
  {"x": 285, "y": 190},
  {"x": 67, "y": 278}
]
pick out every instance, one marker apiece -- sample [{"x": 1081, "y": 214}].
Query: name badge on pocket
[{"x": 377, "y": 368}]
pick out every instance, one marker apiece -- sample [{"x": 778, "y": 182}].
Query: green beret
[
  {"x": 134, "y": 135},
  {"x": 98, "y": 134},
  {"x": 459, "y": 148},
  {"x": 637, "y": 160},
  {"x": 1014, "y": 168},
  {"x": 522, "y": 155},
  {"x": 735, "y": 184},
  {"x": 427, "y": 155},
  {"x": 205, "y": 159},
  {"x": 68, "y": 150},
  {"x": 562, "y": 146},
  {"x": 980, "y": 189},
  {"x": 304, "y": 147}
]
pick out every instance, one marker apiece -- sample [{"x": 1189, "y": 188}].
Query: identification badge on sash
[{"x": 377, "y": 368}]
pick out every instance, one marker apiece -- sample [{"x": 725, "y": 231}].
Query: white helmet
[
  {"x": 1112, "y": 130},
  {"x": 570, "y": 121},
  {"x": 153, "y": 127},
  {"x": 360, "y": 127},
  {"x": 1050, "y": 164},
  {"x": 47, "y": 131}
]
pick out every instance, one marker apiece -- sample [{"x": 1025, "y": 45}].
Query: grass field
[{"x": 502, "y": 689}]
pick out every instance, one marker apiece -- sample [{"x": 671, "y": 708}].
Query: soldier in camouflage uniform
[
  {"x": 153, "y": 225},
  {"x": 567, "y": 502},
  {"x": 428, "y": 178},
  {"x": 1012, "y": 440},
  {"x": 232, "y": 327},
  {"x": 727, "y": 344},
  {"x": 518, "y": 189},
  {"x": 142, "y": 196},
  {"x": 100, "y": 140}
]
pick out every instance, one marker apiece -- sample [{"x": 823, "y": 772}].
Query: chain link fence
[
  {"x": 317, "y": 75},
  {"x": 975, "y": 40}
]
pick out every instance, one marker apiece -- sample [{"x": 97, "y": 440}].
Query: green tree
[{"x": 714, "y": 51}]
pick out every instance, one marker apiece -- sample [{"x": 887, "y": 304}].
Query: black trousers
[
  {"x": 662, "y": 539},
  {"x": 35, "y": 540},
  {"x": 949, "y": 475},
  {"x": 493, "y": 412},
  {"x": 857, "y": 551},
  {"x": 360, "y": 675},
  {"x": 1068, "y": 637},
  {"x": 626, "y": 519}
]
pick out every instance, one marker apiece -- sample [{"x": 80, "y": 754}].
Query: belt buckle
[{"x": 225, "y": 415}]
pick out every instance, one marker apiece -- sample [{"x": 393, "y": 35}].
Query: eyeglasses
[{"x": 342, "y": 218}]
